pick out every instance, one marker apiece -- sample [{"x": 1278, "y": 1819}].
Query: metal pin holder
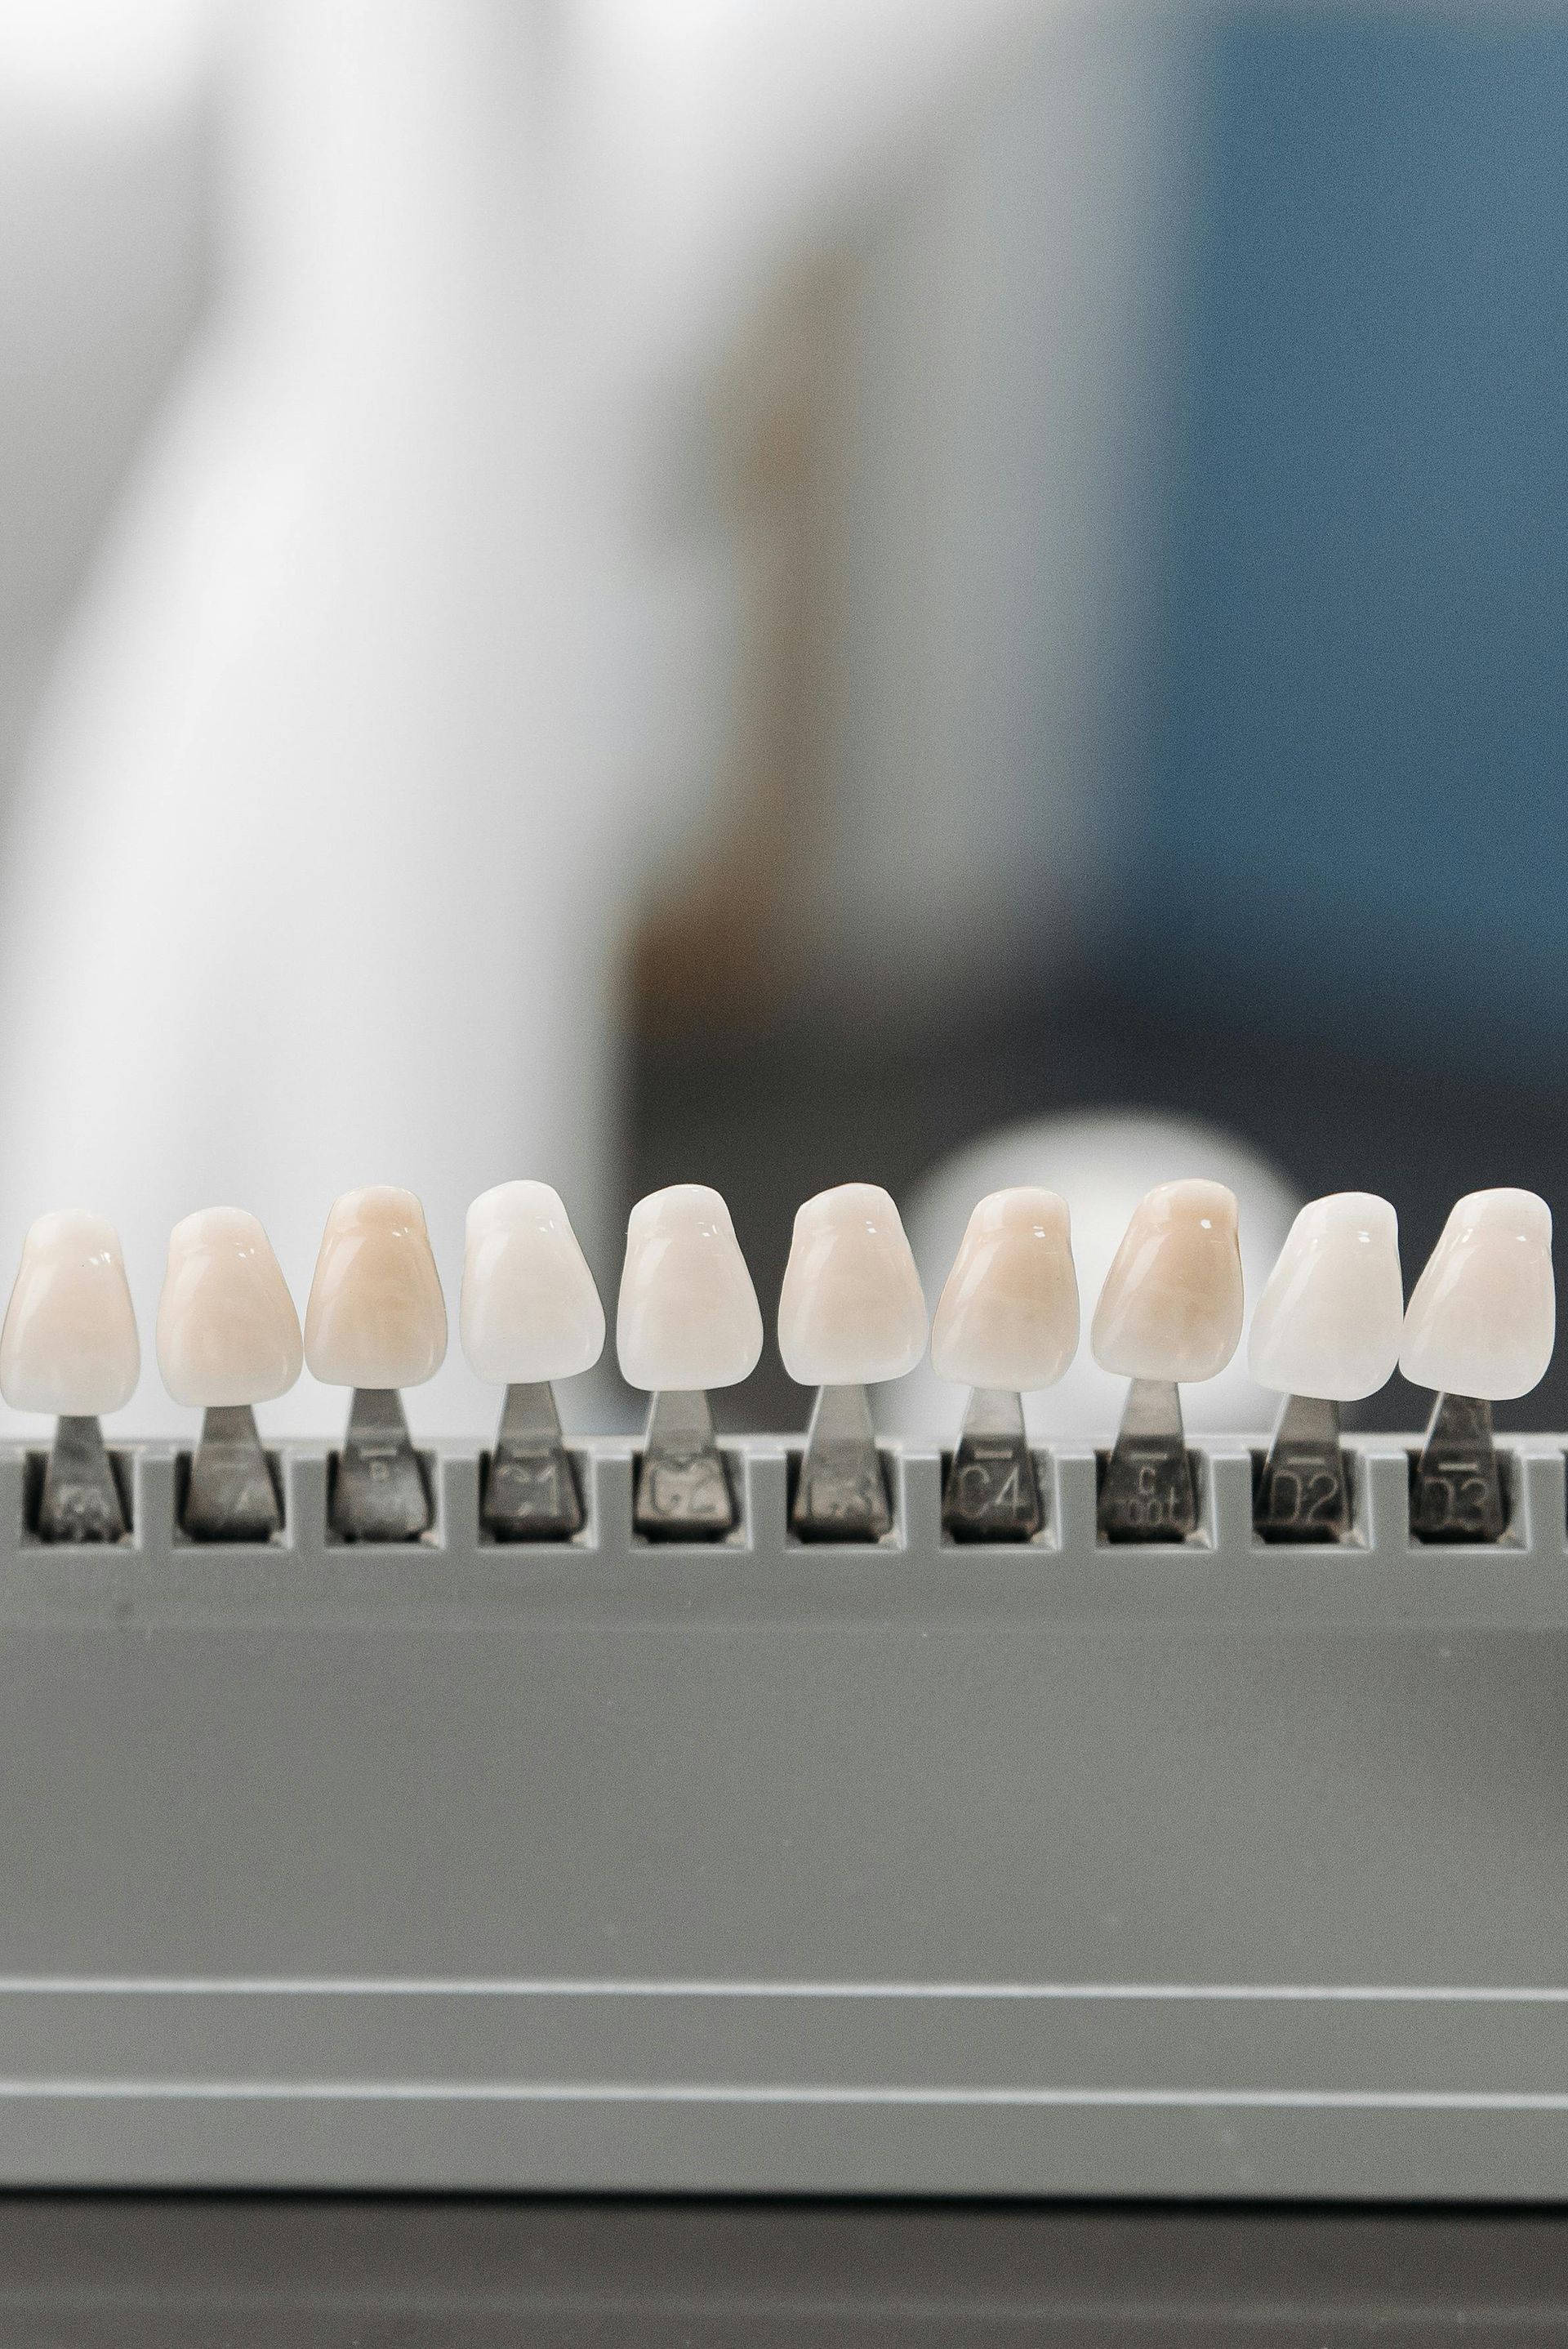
[{"x": 1225, "y": 1867}]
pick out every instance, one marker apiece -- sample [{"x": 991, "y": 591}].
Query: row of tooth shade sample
[{"x": 1330, "y": 1328}]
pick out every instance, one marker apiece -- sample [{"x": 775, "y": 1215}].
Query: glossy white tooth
[
  {"x": 530, "y": 1311},
  {"x": 1483, "y": 1314},
  {"x": 687, "y": 1317},
  {"x": 1328, "y": 1321},
  {"x": 376, "y": 1316},
  {"x": 1008, "y": 1316},
  {"x": 69, "y": 1343},
  {"x": 227, "y": 1329},
  {"x": 1172, "y": 1304},
  {"x": 851, "y": 1310}
]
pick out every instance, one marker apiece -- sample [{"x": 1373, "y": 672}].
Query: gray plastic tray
[{"x": 1209, "y": 1869}]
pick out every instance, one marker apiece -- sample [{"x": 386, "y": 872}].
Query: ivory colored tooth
[
  {"x": 852, "y": 1311},
  {"x": 1008, "y": 1316},
  {"x": 1327, "y": 1324},
  {"x": 687, "y": 1318},
  {"x": 227, "y": 1329},
  {"x": 376, "y": 1317},
  {"x": 1483, "y": 1315},
  {"x": 69, "y": 1343},
  {"x": 1171, "y": 1305},
  {"x": 529, "y": 1311}
]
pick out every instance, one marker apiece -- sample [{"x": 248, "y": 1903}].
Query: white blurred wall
[{"x": 403, "y": 651}]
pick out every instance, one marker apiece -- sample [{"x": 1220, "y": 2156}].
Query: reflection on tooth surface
[
  {"x": 1482, "y": 1317},
  {"x": 1008, "y": 1314},
  {"x": 530, "y": 1312},
  {"x": 70, "y": 1344},
  {"x": 1329, "y": 1322},
  {"x": 687, "y": 1317},
  {"x": 376, "y": 1317},
  {"x": 69, "y": 1347},
  {"x": 227, "y": 1330},
  {"x": 1170, "y": 1308},
  {"x": 851, "y": 1311}
]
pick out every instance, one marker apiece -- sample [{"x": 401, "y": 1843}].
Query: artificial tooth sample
[
  {"x": 228, "y": 1339},
  {"x": 1007, "y": 1324},
  {"x": 377, "y": 1322},
  {"x": 529, "y": 1315},
  {"x": 69, "y": 1347},
  {"x": 850, "y": 1314},
  {"x": 1479, "y": 1330},
  {"x": 687, "y": 1320},
  {"x": 1326, "y": 1331},
  {"x": 1169, "y": 1311}
]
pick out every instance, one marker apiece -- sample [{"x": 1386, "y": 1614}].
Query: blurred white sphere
[{"x": 1102, "y": 1166}]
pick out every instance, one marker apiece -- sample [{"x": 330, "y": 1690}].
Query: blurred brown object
[{"x": 716, "y": 947}]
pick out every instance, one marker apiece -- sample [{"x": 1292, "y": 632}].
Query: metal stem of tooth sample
[
  {"x": 843, "y": 1492},
  {"x": 992, "y": 1493},
  {"x": 1303, "y": 1493},
  {"x": 380, "y": 1494},
  {"x": 1455, "y": 1487},
  {"x": 80, "y": 1500},
  {"x": 683, "y": 1484},
  {"x": 1147, "y": 1493},
  {"x": 231, "y": 1497},
  {"x": 530, "y": 1487}
]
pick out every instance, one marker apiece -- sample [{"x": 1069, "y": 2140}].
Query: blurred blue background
[{"x": 1352, "y": 806}]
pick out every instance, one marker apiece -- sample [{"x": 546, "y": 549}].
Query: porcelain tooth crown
[
  {"x": 1008, "y": 1316},
  {"x": 376, "y": 1316},
  {"x": 529, "y": 1311},
  {"x": 687, "y": 1318},
  {"x": 1171, "y": 1305},
  {"x": 1328, "y": 1321},
  {"x": 227, "y": 1329},
  {"x": 1483, "y": 1314},
  {"x": 70, "y": 1344},
  {"x": 852, "y": 1311}
]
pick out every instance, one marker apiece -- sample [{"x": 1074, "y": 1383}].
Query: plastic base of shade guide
[{"x": 1221, "y": 1868}]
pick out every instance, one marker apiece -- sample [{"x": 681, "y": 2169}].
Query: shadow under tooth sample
[
  {"x": 1303, "y": 1490},
  {"x": 230, "y": 1495},
  {"x": 683, "y": 1489},
  {"x": 1457, "y": 1491},
  {"x": 378, "y": 1488},
  {"x": 992, "y": 1492},
  {"x": 530, "y": 1490},
  {"x": 1146, "y": 1491},
  {"x": 80, "y": 1500},
  {"x": 841, "y": 1493}
]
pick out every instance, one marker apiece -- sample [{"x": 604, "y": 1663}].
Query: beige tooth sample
[
  {"x": 530, "y": 1313},
  {"x": 69, "y": 1345},
  {"x": 228, "y": 1333},
  {"x": 1483, "y": 1315},
  {"x": 1170, "y": 1308},
  {"x": 852, "y": 1311},
  {"x": 1008, "y": 1314},
  {"x": 687, "y": 1317},
  {"x": 376, "y": 1317},
  {"x": 1327, "y": 1324}
]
